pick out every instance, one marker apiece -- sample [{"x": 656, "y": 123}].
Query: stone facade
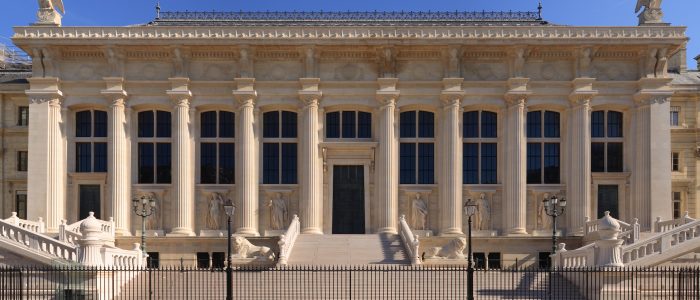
[{"x": 445, "y": 70}]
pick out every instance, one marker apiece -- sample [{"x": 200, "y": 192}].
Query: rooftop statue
[
  {"x": 651, "y": 14},
  {"x": 47, "y": 14}
]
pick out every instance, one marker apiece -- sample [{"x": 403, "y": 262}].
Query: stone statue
[
  {"x": 483, "y": 216},
  {"x": 244, "y": 63},
  {"x": 661, "y": 63},
  {"x": 543, "y": 220},
  {"x": 652, "y": 13},
  {"x": 47, "y": 13},
  {"x": 453, "y": 250},
  {"x": 453, "y": 65},
  {"x": 519, "y": 63},
  {"x": 387, "y": 62},
  {"x": 310, "y": 62},
  {"x": 278, "y": 212},
  {"x": 242, "y": 248},
  {"x": 585, "y": 60},
  {"x": 216, "y": 202},
  {"x": 180, "y": 63},
  {"x": 420, "y": 212},
  {"x": 115, "y": 60}
]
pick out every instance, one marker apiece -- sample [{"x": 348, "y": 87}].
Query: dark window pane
[
  {"x": 146, "y": 161},
  {"x": 534, "y": 163},
  {"x": 207, "y": 162},
  {"x": 227, "y": 124},
  {"x": 21, "y": 206},
  {"x": 100, "y": 157},
  {"x": 208, "y": 124},
  {"x": 22, "y": 159},
  {"x": 407, "y": 163},
  {"x": 100, "y": 123},
  {"x": 471, "y": 163},
  {"x": 164, "y": 127},
  {"x": 598, "y": 124},
  {"x": 364, "y": 125},
  {"x": 479, "y": 260},
  {"x": 83, "y": 157},
  {"x": 83, "y": 123},
  {"x": 597, "y": 157},
  {"x": 202, "y": 260},
  {"x": 227, "y": 163},
  {"x": 489, "y": 124},
  {"x": 408, "y": 124},
  {"x": 271, "y": 124},
  {"x": 271, "y": 163},
  {"x": 23, "y": 117},
  {"x": 426, "y": 124},
  {"x": 551, "y": 163},
  {"x": 146, "y": 124},
  {"x": 551, "y": 124},
  {"x": 471, "y": 124},
  {"x": 614, "y": 124},
  {"x": 494, "y": 260},
  {"x": 674, "y": 118},
  {"x": 289, "y": 124},
  {"x": 289, "y": 163},
  {"x": 488, "y": 163},
  {"x": 615, "y": 157},
  {"x": 333, "y": 125},
  {"x": 426, "y": 163},
  {"x": 349, "y": 122},
  {"x": 534, "y": 124},
  {"x": 163, "y": 169}
]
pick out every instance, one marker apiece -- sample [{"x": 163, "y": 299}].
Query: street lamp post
[
  {"x": 144, "y": 207},
  {"x": 554, "y": 208},
  {"x": 230, "y": 209},
  {"x": 470, "y": 209}
]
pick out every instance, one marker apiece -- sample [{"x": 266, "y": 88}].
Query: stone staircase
[
  {"x": 364, "y": 249},
  {"x": 27, "y": 239}
]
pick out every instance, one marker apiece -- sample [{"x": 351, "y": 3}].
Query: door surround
[{"x": 328, "y": 201}]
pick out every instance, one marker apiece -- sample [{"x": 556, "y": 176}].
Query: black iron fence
[{"x": 346, "y": 282}]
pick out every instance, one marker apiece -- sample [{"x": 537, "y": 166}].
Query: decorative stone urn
[
  {"x": 91, "y": 242},
  {"x": 609, "y": 246}
]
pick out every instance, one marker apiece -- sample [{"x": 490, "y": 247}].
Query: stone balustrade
[
  {"x": 47, "y": 248},
  {"x": 663, "y": 226},
  {"x": 34, "y": 226},
  {"x": 287, "y": 241},
  {"x": 125, "y": 259},
  {"x": 663, "y": 242},
  {"x": 70, "y": 233},
  {"x": 410, "y": 241},
  {"x": 630, "y": 231},
  {"x": 581, "y": 257}
]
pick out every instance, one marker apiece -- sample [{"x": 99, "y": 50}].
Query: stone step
[{"x": 339, "y": 249}]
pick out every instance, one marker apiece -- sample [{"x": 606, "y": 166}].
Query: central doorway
[
  {"x": 89, "y": 201},
  {"x": 348, "y": 200},
  {"x": 608, "y": 201}
]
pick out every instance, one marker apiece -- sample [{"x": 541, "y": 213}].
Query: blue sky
[{"x": 567, "y": 12}]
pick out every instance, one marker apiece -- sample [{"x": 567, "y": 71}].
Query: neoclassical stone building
[{"x": 350, "y": 120}]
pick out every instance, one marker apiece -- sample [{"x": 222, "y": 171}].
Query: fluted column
[
  {"x": 183, "y": 175},
  {"x": 515, "y": 180},
  {"x": 47, "y": 157},
  {"x": 579, "y": 181},
  {"x": 450, "y": 181},
  {"x": 118, "y": 175},
  {"x": 246, "y": 160},
  {"x": 386, "y": 165},
  {"x": 310, "y": 171}
]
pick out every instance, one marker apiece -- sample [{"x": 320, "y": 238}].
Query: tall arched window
[
  {"x": 606, "y": 141},
  {"x": 91, "y": 141},
  {"x": 480, "y": 147},
  {"x": 154, "y": 147},
  {"x": 216, "y": 148},
  {"x": 348, "y": 125},
  {"x": 417, "y": 148},
  {"x": 543, "y": 147},
  {"x": 280, "y": 147}
]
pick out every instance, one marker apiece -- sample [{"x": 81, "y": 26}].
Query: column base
[
  {"x": 122, "y": 232},
  {"x": 516, "y": 232},
  {"x": 244, "y": 231},
  {"x": 311, "y": 230},
  {"x": 387, "y": 230},
  {"x": 452, "y": 232},
  {"x": 181, "y": 232}
]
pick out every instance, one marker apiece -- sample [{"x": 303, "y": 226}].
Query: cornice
[{"x": 124, "y": 35}]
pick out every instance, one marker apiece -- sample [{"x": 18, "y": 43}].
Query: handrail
[
  {"x": 630, "y": 232},
  {"x": 287, "y": 241},
  {"x": 410, "y": 241},
  {"x": 70, "y": 233},
  {"x": 35, "y": 226},
  {"x": 661, "y": 242},
  {"x": 581, "y": 257},
  {"x": 37, "y": 242},
  {"x": 663, "y": 226},
  {"x": 121, "y": 258}
]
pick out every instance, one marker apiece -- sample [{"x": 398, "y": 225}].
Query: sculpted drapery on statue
[
  {"x": 420, "y": 212},
  {"x": 47, "y": 12},
  {"x": 216, "y": 203},
  {"x": 278, "y": 212},
  {"x": 652, "y": 13}
]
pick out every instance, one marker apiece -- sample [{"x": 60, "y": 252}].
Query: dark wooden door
[
  {"x": 608, "y": 201},
  {"x": 89, "y": 201},
  {"x": 348, "y": 200}
]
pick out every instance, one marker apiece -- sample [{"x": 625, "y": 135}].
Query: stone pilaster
[
  {"x": 47, "y": 153},
  {"x": 450, "y": 181},
  {"x": 246, "y": 159},
  {"x": 118, "y": 176},
  {"x": 515, "y": 180},
  {"x": 651, "y": 184},
  {"x": 578, "y": 188},
  {"x": 183, "y": 159},
  {"x": 387, "y": 162},
  {"x": 310, "y": 177}
]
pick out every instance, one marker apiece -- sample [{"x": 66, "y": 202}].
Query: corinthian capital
[
  {"x": 310, "y": 98},
  {"x": 513, "y": 99}
]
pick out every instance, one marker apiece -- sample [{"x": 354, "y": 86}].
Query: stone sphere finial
[
  {"x": 608, "y": 227},
  {"x": 90, "y": 225}
]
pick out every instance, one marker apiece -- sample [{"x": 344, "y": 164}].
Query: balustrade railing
[
  {"x": 287, "y": 241},
  {"x": 410, "y": 241},
  {"x": 662, "y": 242},
  {"x": 581, "y": 257},
  {"x": 34, "y": 226},
  {"x": 121, "y": 258},
  {"x": 38, "y": 243},
  {"x": 630, "y": 231},
  {"x": 663, "y": 226},
  {"x": 70, "y": 233}
]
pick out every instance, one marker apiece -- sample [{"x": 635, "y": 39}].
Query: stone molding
[{"x": 584, "y": 35}]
